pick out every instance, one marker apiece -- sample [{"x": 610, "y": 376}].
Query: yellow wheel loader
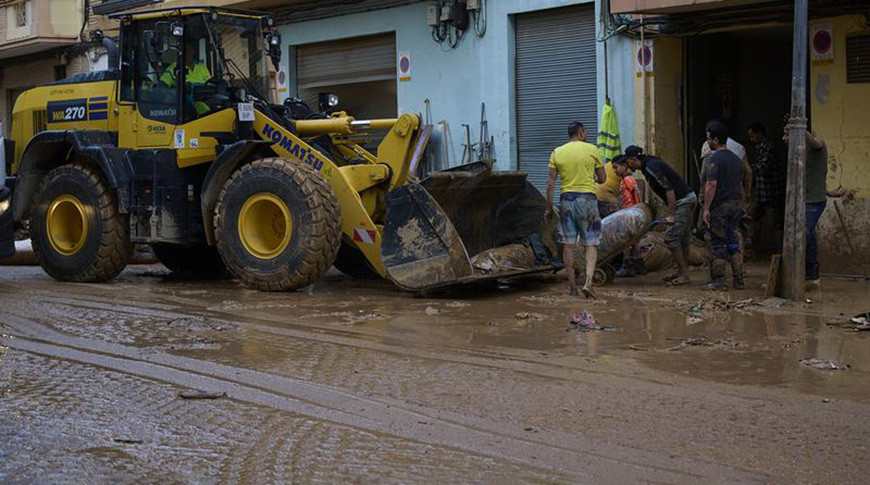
[{"x": 176, "y": 146}]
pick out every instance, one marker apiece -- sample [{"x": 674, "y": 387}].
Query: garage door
[
  {"x": 555, "y": 82},
  {"x": 361, "y": 71}
]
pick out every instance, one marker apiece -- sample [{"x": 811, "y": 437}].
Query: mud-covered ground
[{"x": 355, "y": 381}]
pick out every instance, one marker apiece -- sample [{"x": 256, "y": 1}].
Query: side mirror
[{"x": 153, "y": 45}]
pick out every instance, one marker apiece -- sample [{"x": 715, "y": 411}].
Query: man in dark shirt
[
  {"x": 816, "y": 199},
  {"x": 723, "y": 208},
  {"x": 681, "y": 200},
  {"x": 768, "y": 174}
]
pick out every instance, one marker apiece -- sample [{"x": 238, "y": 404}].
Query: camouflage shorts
[{"x": 579, "y": 220}]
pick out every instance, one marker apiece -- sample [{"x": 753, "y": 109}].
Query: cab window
[{"x": 149, "y": 75}]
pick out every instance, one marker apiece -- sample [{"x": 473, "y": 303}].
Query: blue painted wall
[{"x": 479, "y": 70}]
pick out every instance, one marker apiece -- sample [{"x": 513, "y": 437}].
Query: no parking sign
[
  {"x": 822, "y": 42},
  {"x": 404, "y": 66}
]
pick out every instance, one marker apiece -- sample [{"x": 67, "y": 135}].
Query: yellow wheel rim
[
  {"x": 67, "y": 225},
  {"x": 265, "y": 225}
]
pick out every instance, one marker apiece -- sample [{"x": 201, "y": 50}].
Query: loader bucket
[{"x": 464, "y": 225}]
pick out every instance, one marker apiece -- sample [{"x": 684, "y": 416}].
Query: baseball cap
[{"x": 634, "y": 151}]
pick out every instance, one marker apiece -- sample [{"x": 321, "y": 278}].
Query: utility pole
[{"x": 794, "y": 236}]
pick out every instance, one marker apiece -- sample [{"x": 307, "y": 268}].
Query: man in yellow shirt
[{"x": 579, "y": 166}]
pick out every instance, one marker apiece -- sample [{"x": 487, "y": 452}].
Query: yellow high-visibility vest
[
  {"x": 608, "y": 142},
  {"x": 198, "y": 75}
]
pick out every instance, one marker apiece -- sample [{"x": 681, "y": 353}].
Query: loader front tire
[
  {"x": 77, "y": 232},
  {"x": 277, "y": 225}
]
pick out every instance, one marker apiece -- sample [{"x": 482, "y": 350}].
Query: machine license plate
[{"x": 246, "y": 112}]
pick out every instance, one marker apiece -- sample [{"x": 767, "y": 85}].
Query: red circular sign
[
  {"x": 644, "y": 56},
  {"x": 404, "y": 64},
  {"x": 822, "y": 41}
]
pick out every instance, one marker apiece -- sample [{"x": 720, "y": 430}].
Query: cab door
[{"x": 150, "y": 108}]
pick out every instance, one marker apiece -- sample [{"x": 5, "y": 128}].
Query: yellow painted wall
[
  {"x": 663, "y": 103},
  {"x": 666, "y": 130},
  {"x": 841, "y": 112}
]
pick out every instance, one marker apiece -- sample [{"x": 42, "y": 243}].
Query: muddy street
[{"x": 158, "y": 379}]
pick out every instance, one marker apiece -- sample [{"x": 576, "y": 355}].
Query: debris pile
[
  {"x": 858, "y": 323},
  {"x": 504, "y": 259},
  {"x": 824, "y": 364},
  {"x": 706, "y": 342}
]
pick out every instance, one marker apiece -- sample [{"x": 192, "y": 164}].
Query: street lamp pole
[{"x": 794, "y": 236}]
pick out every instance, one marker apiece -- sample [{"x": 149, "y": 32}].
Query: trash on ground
[
  {"x": 432, "y": 310},
  {"x": 705, "y": 342},
  {"x": 693, "y": 320},
  {"x": 584, "y": 321},
  {"x": 529, "y": 316},
  {"x": 858, "y": 323},
  {"x": 719, "y": 303},
  {"x": 824, "y": 364},
  {"x": 196, "y": 394},
  {"x": 127, "y": 441}
]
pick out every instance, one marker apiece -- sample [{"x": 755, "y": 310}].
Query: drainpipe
[{"x": 794, "y": 235}]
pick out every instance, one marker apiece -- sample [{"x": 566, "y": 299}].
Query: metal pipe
[
  {"x": 379, "y": 124},
  {"x": 794, "y": 235},
  {"x": 339, "y": 126}
]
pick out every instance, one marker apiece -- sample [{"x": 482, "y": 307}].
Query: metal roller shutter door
[
  {"x": 361, "y": 71},
  {"x": 555, "y": 83}
]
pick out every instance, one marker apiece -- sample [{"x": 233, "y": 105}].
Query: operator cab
[{"x": 183, "y": 64}]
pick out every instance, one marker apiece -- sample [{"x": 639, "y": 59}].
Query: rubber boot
[{"x": 717, "y": 276}]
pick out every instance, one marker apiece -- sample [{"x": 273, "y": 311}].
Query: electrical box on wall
[
  {"x": 456, "y": 15},
  {"x": 433, "y": 15},
  {"x": 448, "y": 13}
]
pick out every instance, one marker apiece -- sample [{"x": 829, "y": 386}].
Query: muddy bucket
[{"x": 465, "y": 224}]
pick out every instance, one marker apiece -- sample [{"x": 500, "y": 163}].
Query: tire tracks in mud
[
  {"x": 582, "y": 458},
  {"x": 503, "y": 360}
]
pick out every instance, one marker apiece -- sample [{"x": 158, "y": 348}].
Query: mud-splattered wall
[{"x": 840, "y": 113}]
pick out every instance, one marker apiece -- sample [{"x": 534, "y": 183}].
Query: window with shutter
[{"x": 858, "y": 59}]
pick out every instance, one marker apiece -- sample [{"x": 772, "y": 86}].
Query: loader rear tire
[
  {"x": 77, "y": 232},
  {"x": 198, "y": 260},
  {"x": 277, "y": 225}
]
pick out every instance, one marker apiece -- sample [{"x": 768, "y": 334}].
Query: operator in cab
[{"x": 196, "y": 73}]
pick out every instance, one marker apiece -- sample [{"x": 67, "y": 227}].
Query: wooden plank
[{"x": 772, "y": 286}]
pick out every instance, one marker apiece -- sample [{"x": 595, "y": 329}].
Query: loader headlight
[
  {"x": 327, "y": 101},
  {"x": 4, "y": 206}
]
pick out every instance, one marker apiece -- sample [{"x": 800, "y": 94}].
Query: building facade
[
  {"x": 731, "y": 60},
  {"x": 535, "y": 66}
]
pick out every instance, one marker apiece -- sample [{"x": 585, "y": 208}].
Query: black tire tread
[
  {"x": 319, "y": 251},
  {"x": 116, "y": 249}
]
